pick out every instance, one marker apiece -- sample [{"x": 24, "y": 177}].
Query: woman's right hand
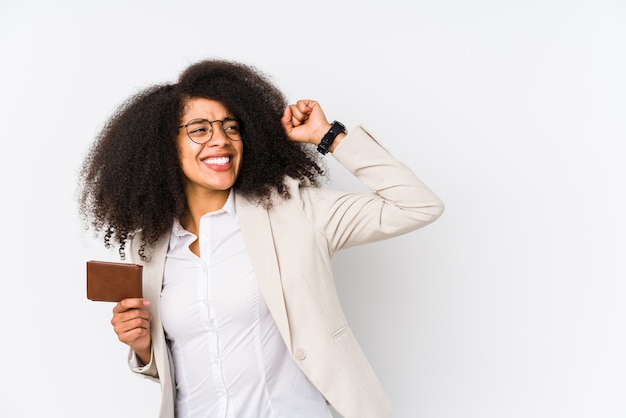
[{"x": 131, "y": 322}]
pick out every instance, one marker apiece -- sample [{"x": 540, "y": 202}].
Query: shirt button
[{"x": 300, "y": 354}]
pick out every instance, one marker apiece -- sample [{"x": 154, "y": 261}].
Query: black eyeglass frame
[{"x": 210, "y": 122}]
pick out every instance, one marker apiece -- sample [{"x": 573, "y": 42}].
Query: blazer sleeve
[
  {"x": 398, "y": 201},
  {"x": 148, "y": 371}
]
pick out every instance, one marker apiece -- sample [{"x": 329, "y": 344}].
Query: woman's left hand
[{"x": 305, "y": 121}]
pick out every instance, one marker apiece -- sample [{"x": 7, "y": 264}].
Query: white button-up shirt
[{"x": 230, "y": 360}]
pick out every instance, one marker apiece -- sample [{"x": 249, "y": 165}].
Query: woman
[{"x": 212, "y": 183}]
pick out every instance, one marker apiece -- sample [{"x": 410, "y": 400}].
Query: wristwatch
[{"x": 328, "y": 139}]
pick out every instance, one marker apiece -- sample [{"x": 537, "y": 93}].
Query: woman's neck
[{"x": 199, "y": 204}]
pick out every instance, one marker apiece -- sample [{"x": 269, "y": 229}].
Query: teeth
[{"x": 217, "y": 161}]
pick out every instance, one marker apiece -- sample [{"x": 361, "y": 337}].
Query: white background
[{"x": 510, "y": 305}]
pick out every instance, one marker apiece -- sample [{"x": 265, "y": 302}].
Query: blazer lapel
[
  {"x": 155, "y": 270},
  {"x": 152, "y": 271},
  {"x": 257, "y": 233}
]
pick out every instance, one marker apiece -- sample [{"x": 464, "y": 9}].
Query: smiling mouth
[{"x": 217, "y": 161}]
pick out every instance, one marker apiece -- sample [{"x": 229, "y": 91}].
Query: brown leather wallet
[{"x": 109, "y": 281}]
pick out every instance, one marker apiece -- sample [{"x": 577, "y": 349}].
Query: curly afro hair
[{"x": 131, "y": 179}]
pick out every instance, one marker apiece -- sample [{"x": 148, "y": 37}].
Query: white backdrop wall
[{"x": 510, "y": 305}]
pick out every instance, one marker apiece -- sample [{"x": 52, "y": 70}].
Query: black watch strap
[{"x": 329, "y": 138}]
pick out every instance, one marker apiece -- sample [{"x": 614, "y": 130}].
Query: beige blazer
[{"x": 291, "y": 248}]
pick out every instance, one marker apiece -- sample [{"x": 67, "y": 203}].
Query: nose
[{"x": 218, "y": 136}]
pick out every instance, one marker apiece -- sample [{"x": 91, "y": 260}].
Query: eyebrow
[
  {"x": 227, "y": 118},
  {"x": 200, "y": 120}
]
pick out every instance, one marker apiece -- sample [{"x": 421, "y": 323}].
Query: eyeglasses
[{"x": 200, "y": 131}]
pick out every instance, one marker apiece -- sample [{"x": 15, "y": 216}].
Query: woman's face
[{"x": 210, "y": 168}]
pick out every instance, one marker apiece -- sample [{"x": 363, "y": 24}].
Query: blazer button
[{"x": 300, "y": 354}]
